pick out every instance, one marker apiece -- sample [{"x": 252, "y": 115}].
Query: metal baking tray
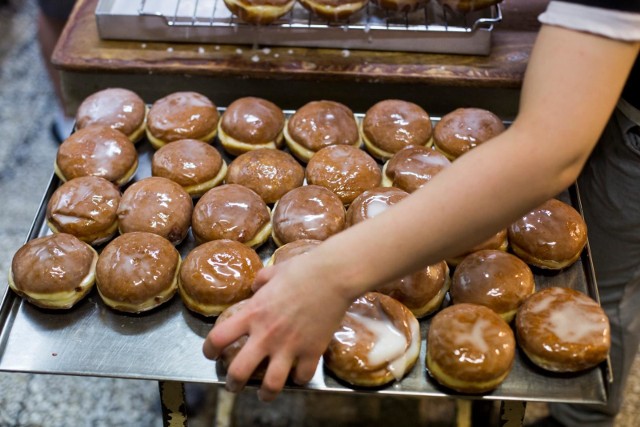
[
  {"x": 165, "y": 344},
  {"x": 431, "y": 29}
]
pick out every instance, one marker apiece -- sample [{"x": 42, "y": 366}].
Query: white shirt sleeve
[{"x": 609, "y": 23}]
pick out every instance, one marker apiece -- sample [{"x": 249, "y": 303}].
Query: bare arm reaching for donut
[{"x": 571, "y": 87}]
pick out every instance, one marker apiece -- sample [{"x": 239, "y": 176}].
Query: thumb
[{"x": 263, "y": 276}]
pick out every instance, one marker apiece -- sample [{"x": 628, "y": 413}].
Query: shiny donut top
[
  {"x": 346, "y": 170},
  {"x": 229, "y": 211},
  {"x": 471, "y": 343},
  {"x": 465, "y": 128},
  {"x": 51, "y": 264},
  {"x": 156, "y": 205},
  {"x": 270, "y": 173},
  {"x": 495, "y": 279},
  {"x": 136, "y": 267},
  {"x": 84, "y": 206},
  {"x": 182, "y": 115},
  {"x": 293, "y": 249},
  {"x": 392, "y": 125},
  {"x": 554, "y": 231},
  {"x": 563, "y": 330},
  {"x": 319, "y": 124},
  {"x": 412, "y": 167},
  {"x": 188, "y": 162},
  {"x": 121, "y": 109},
  {"x": 219, "y": 272},
  {"x": 308, "y": 212},
  {"x": 99, "y": 151},
  {"x": 372, "y": 203},
  {"x": 253, "y": 120}
]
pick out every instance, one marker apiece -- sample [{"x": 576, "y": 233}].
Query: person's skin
[{"x": 571, "y": 86}]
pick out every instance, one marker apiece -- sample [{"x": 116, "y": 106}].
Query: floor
[{"x": 27, "y": 151}]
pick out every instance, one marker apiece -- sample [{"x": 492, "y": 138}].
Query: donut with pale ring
[
  {"x": 137, "y": 272},
  {"x": 498, "y": 241},
  {"x": 495, "y": 279},
  {"x": 470, "y": 349},
  {"x": 463, "y": 129},
  {"x": 412, "y": 167},
  {"x": 551, "y": 236},
  {"x": 259, "y": 12},
  {"x": 53, "y": 271},
  {"x": 372, "y": 203},
  {"x": 85, "y": 207},
  {"x": 334, "y": 10},
  {"x": 563, "y": 330},
  {"x": 121, "y": 109},
  {"x": 378, "y": 342},
  {"x": 292, "y": 249}
]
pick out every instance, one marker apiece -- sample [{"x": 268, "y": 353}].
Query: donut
[
  {"x": 270, "y": 173},
  {"x": 333, "y": 10},
  {"x": 498, "y": 242},
  {"x": 251, "y": 123},
  {"x": 412, "y": 167},
  {"x": 551, "y": 236},
  {"x": 292, "y": 249},
  {"x": 373, "y": 202},
  {"x": 377, "y": 342},
  {"x": 345, "y": 170},
  {"x": 463, "y": 129},
  {"x": 495, "y": 279},
  {"x": 85, "y": 207},
  {"x": 563, "y": 330},
  {"x": 308, "y": 212},
  {"x": 393, "y": 124},
  {"x": 54, "y": 271},
  {"x": 467, "y": 5},
  {"x": 216, "y": 275},
  {"x": 319, "y": 124},
  {"x": 405, "y": 6},
  {"x": 232, "y": 212},
  {"x": 97, "y": 150},
  {"x": 181, "y": 115},
  {"x": 156, "y": 205},
  {"x": 421, "y": 292},
  {"x": 470, "y": 349},
  {"x": 120, "y": 109},
  {"x": 259, "y": 12},
  {"x": 196, "y": 166},
  {"x": 137, "y": 272}
]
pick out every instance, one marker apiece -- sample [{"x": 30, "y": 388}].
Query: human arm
[{"x": 571, "y": 86}]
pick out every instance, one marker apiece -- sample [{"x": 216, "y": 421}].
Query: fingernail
[{"x": 232, "y": 385}]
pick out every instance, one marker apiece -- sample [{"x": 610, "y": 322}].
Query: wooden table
[{"x": 293, "y": 76}]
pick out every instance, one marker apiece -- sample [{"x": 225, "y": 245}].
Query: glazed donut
[
  {"x": 85, "y": 207},
  {"x": 497, "y": 242},
  {"x": 251, "y": 123},
  {"x": 53, "y": 271},
  {"x": 495, "y": 279},
  {"x": 467, "y": 5},
  {"x": 391, "y": 125},
  {"x": 470, "y": 349},
  {"x": 372, "y": 203},
  {"x": 259, "y": 12},
  {"x": 334, "y": 10},
  {"x": 216, "y": 275},
  {"x": 412, "y": 167},
  {"x": 156, "y": 205},
  {"x": 421, "y": 292},
  {"x": 137, "y": 272},
  {"x": 319, "y": 124},
  {"x": 308, "y": 212},
  {"x": 463, "y": 129},
  {"x": 377, "y": 342},
  {"x": 120, "y": 109},
  {"x": 232, "y": 212},
  {"x": 181, "y": 115},
  {"x": 292, "y": 249},
  {"x": 196, "y": 166},
  {"x": 270, "y": 173},
  {"x": 345, "y": 170},
  {"x": 563, "y": 330},
  {"x": 97, "y": 151},
  {"x": 551, "y": 236}
]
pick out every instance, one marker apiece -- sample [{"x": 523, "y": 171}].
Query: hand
[{"x": 289, "y": 321}]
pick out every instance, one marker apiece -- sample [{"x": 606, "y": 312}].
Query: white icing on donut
[
  {"x": 571, "y": 324},
  {"x": 475, "y": 336}
]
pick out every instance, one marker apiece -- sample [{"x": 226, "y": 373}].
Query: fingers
[
  {"x": 304, "y": 370},
  {"x": 276, "y": 376},
  {"x": 221, "y": 336},
  {"x": 243, "y": 365},
  {"x": 264, "y": 275}
]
